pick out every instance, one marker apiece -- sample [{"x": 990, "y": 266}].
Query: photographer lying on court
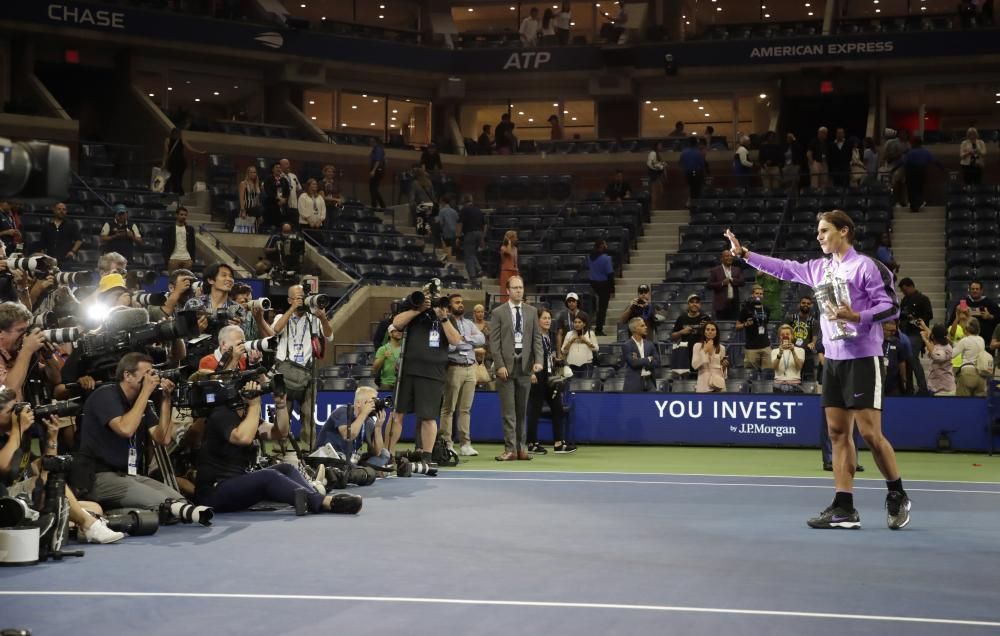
[
  {"x": 229, "y": 479},
  {"x": 24, "y": 478}
]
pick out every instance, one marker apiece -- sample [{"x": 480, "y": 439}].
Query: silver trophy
[{"x": 831, "y": 293}]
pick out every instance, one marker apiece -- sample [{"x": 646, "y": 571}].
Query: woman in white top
[
  {"x": 312, "y": 207},
  {"x": 969, "y": 382},
  {"x": 548, "y": 28},
  {"x": 563, "y": 22},
  {"x": 787, "y": 361},
  {"x": 971, "y": 154},
  {"x": 709, "y": 359},
  {"x": 579, "y": 346}
]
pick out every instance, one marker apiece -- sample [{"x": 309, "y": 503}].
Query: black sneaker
[
  {"x": 836, "y": 518},
  {"x": 897, "y": 506},
  {"x": 537, "y": 449}
]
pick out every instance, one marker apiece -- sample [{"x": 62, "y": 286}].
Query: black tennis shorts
[
  {"x": 421, "y": 396},
  {"x": 854, "y": 384}
]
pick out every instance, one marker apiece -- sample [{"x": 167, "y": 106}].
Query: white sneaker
[
  {"x": 99, "y": 532},
  {"x": 467, "y": 451}
]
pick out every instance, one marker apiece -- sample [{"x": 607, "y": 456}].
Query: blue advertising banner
[
  {"x": 173, "y": 27},
  {"x": 723, "y": 420}
]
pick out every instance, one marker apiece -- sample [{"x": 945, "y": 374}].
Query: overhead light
[
  {"x": 170, "y": 88},
  {"x": 152, "y": 95},
  {"x": 381, "y": 6},
  {"x": 573, "y": 118},
  {"x": 707, "y": 115},
  {"x": 572, "y": 23},
  {"x": 197, "y": 99},
  {"x": 565, "y": 112},
  {"x": 520, "y": 112},
  {"x": 216, "y": 93},
  {"x": 763, "y": 95},
  {"x": 374, "y": 101},
  {"x": 392, "y": 118},
  {"x": 364, "y": 94},
  {"x": 471, "y": 9},
  {"x": 394, "y": 111},
  {"x": 313, "y": 117},
  {"x": 312, "y": 101},
  {"x": 556, "y": 105},
  {"x": 695, "y": 100},
  {"x": 235, "y": 86},
  {"x": 343, "y": 123},
  {"x": 662, "y": 116},
  {"x": 381, "y": 17},
  {"x": 354, "y": 107},
  {"x": 323, "y": 18},
  {"x": 303, "y": 5},
  {"x": 187, "y": 81},
  {"x": 513, "y": 8},
  {"x": 648, "y": 102},
  {"x": 530, "y": 119},
  {"x": 718, "y": 8},
  {"x": 408, "y": 99},
  {"x": 701, "y": 108},
  {"x": 372, "y": 124},
  {"x": 767, "y": 15},
  {"x": 655, "y": 109}
]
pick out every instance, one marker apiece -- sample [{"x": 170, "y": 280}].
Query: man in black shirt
[
  {"x": 471, "y": 224},
  {"x": 753, "y": 320},
  {"x": 120, "y": 235},
  {"x": 430, "y": 159},
  {"x": 117, "y": 422},
  {"x": 60, "y": 237},
  {"x": 618, "y": 189},
  {"x": 504, "y": 138},
  {"x": 839, "y": 159},
  {"x": 803, "y": 324},
  {"x": 983, "y": 309},
  {"x": 424, "y": 364},
  {"x": 914, "y": 307},
  {"x": 564, "y": 323},
  {"x": 687, "y": 331},
  {"x": 816, "y": 155},
  {"x": 483, "y": 145}
]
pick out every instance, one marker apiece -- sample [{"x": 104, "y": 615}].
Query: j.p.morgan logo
[
  {"x": 270, "y": 39},
  {"x": 744, "y": 417}
]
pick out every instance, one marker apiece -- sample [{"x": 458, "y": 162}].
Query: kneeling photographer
[
  {"x": 355, "y": 432},
  {"x": 26, "y": 479},
  {"x": 118, "y": 420},
  {"x": 228, "y": 480}
]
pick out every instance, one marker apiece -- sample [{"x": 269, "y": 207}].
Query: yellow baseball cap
[{"x": 111, "y": 281}]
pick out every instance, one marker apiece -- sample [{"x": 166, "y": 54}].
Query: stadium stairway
[
  {"x": 647, "y": 263},
  {"x": 919, "y": 247}
]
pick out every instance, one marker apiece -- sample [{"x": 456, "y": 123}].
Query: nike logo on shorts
[{"x": 857, "y": 395}]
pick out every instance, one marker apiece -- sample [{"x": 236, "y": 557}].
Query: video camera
[
  {"x": 227, "y": 388},
  {"x": 416, "y": 300},
  {"x": 34, "y": 169},
  {"x": 126, "y": 330}
]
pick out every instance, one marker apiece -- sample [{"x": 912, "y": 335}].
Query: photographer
[
  {"x": 787, "y": 361},
  {"x": 641, "y": 307},
  {"x": 753, "y": 318},
  {"x": 914, "y": 310},
  {"x": 302, "y": 337},
  {"x": 226, "y": 479},
  {"x": 112, "y": 263},
  {"x": 232, "y": 349},
  {"x": 687, "y": 332},
  {"x": 424, "y": 367},
  {"x": 17, "y": 347},
  {"x": 219, "y": 280},
  {"x": 579, "y": 346},
  {"x": 180, "y": 289},
  {"x": 255, "y": 324},
  {"x": 272, "y": 249},
  {"x": 119, "y": 235},
  {"x": 352, "y": 426},
  {"x": 16, "y": 423},
  {"x": 117, "y": 421}
]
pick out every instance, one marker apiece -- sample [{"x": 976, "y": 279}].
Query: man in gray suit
[{"x": 516, "y": 346}]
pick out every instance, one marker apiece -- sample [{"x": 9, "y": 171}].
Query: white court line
[
  {"x": 602, "y": 472},
  {"x": 552, "y": 604},
  {"x": 707, "y": 483}
]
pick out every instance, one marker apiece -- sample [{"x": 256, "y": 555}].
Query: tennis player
[{"x": 854, "y": 372}]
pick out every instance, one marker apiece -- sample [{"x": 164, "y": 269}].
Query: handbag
[
  {"x": 297, "y": 377},
  {"x": 244, "y": 225},
  {"x": 482, "y": 374},
  {"x": 717, "y": 382},
  {"x": 158, "y": 179}
]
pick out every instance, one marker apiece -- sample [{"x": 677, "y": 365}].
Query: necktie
[{"x": 517, "y": 319}]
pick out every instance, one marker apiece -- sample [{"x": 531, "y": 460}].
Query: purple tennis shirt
[{"x": 872, "y": 292}]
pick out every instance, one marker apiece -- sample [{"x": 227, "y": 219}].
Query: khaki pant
[
  {"x": 176, "y": 264},
  {"x": 969, "y": 383},
  {"x": 818, "y": 174},
  {"x": 459, "y": 392},
  {"x": 757, "y": 358}
]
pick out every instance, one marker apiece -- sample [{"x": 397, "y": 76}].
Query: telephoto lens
[
  {"x": 264, "y": 344},
  {"x": 264, "y": 304},
  {"x": 62, "y": 335},
  {"x": 44, "y": 320},
  {"x": 144, "y": 299},
  {"x": 75, "y": 278},
  {"x": 320, "y": 301}
]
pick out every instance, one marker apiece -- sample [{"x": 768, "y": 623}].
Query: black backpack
[{"x": 442, "y": 455}]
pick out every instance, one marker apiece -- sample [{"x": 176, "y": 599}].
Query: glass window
[
  {"x": 475, "y": 116},
  {"x": 411, "y": 119},
  {"x": 318, "y": 107},
  {"x": 949, "y": 109},
  {"x": 204, "y": 100},
  {"x": 659, "y": 116},
  {"x": 361, "y": 113},
  {"x": 700, "y": 17}
]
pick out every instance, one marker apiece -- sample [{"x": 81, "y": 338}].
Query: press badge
[
  {"x": 798, "y": 342},
  {"x": 299, "y": 356},
  {"x": 434, "y": 338},
  {"x": 133, "y": 461},
  {"x": 518, "y": 339},
  {"x": 760, "y": 330}
]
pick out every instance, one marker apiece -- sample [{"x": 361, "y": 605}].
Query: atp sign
[{"x": 527, "y": 60}]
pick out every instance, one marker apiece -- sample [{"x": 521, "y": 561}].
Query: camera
[
  {"x": 65, "y": 408},
  {"x": 44, "y": 320},
  {"x": 415, "y": 301},
  {"x": 316, "y": 301},
  {"x": 263, "y": 304},
  {"x": 62, "y": 335},
  {"x": 382, "y": 404},
  {"x": 264, "y": 344},
  {"x": 144, "y": 299},
  {"x": 76, "y": 279},
  {"x": 221, "y": 317},
  {"x": 37, "y": 266},
  {"x": 123, "y": 339},
  {"x": 227, "y": 388},
  {"x": 34, "y": 169}
]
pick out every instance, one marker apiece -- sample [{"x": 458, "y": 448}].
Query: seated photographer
[
  {"x": 232, "y": 349},
  {"x": 787, "y": 361},
  {"x": 255, "y": 324},
  {"x": 350, "y": 427},
  {"x": 117, "y": 421},
  {"x": 226, "y": 478},
  {"x": 641, "y": 307},
  {"x": 16, "y": 423}
]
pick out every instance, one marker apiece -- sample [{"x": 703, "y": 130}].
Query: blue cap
[{"x": 121, "y": 209}]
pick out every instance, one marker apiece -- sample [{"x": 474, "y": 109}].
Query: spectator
[
  {"x": 330, "y": 187},
  {"x": 971, "y": 154},
  {"x": 641, "y": 307},
  {"x": 483, "y": 145},
  {"x": 896, "y": 360},
  {"x": 884, "y": 253},
  {"x": 471, "y": 224},
  {"x": 656, "y": 168},
  {"x": 818, "y": 158},
  {"x": 869, "y": 158},
  {"x": 294, "y": 188},
  {"x": 915, "y": 164},
  {"x": 969, "y": 382},
  {"x": 386, "y": 368},
  {"x": 548, "y": 31},
  {"x": 742, "y": 166},
  {"x": 709, "y": 359},
  {"x": 678, "y": 130},
  {"x": 941, "y": 378},
  {"x": 430, "y": 159},
  {"x": 984, "y": 309},
  {"x": 579, "y": 346},
  {"x": 119, "y": 235},
  {"x": 174, "y": 160},
  {"x": 687, "y": 331},
  {"x": 614, "y": 30},
  {"x": 602, "y": 280},
  {"x": 504, "y": 135},
  {"x": 753, "y": 319},
  {"x": 787, "y": 361},
  {"x": 564, "y": 323},
  {"x": 771, "y": 159},
  {"x": 460, "y": 379},
  {"x": 791, "y": 169},
  {"x": 111, "y": 263},
  {"x": 563, "y": 22},
  {"x": 60, "y": 236},
  {"x": 312, "y": 206},
  {"x": 839, "y": 159},
  {"x": 725, "y": 280},
  {"x": 250, "y": 201},
  {"x": 693, "y": 165},
  {"x": 508, "y": 261},
  {"x": 448, "y": 227},
  {"x": 376, "y": 170},
  {"x": 545, "y": 391},
  {"x": 915, "y": 313},
  {"x": 640, "y": 357},
  {"x": 956, "y": 332},
  {"x": 10, "y": 235},
  {"x": 274, "y": 197},
  {"x": 774, "y": 290},
  {"x": 483, "y": 353},
  {"x": 618, "y": 189},
  {"x": 803, "y": 325},
  {"x": 894, "y": 150},
  {"x": 423, "y": 201},
  {"x": 178, "y": 242},
  {"x": 530, "y": 28},
  {"x": 556, "y": 130}
]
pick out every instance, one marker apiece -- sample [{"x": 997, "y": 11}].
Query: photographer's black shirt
[
  {"x": 420, "y": 359},
  {"x": 219, "y": 459},
  {"x": 755, "y": 334},
  {"x": 100, "y": 441},
  {"x": 684, "y": 320}
]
